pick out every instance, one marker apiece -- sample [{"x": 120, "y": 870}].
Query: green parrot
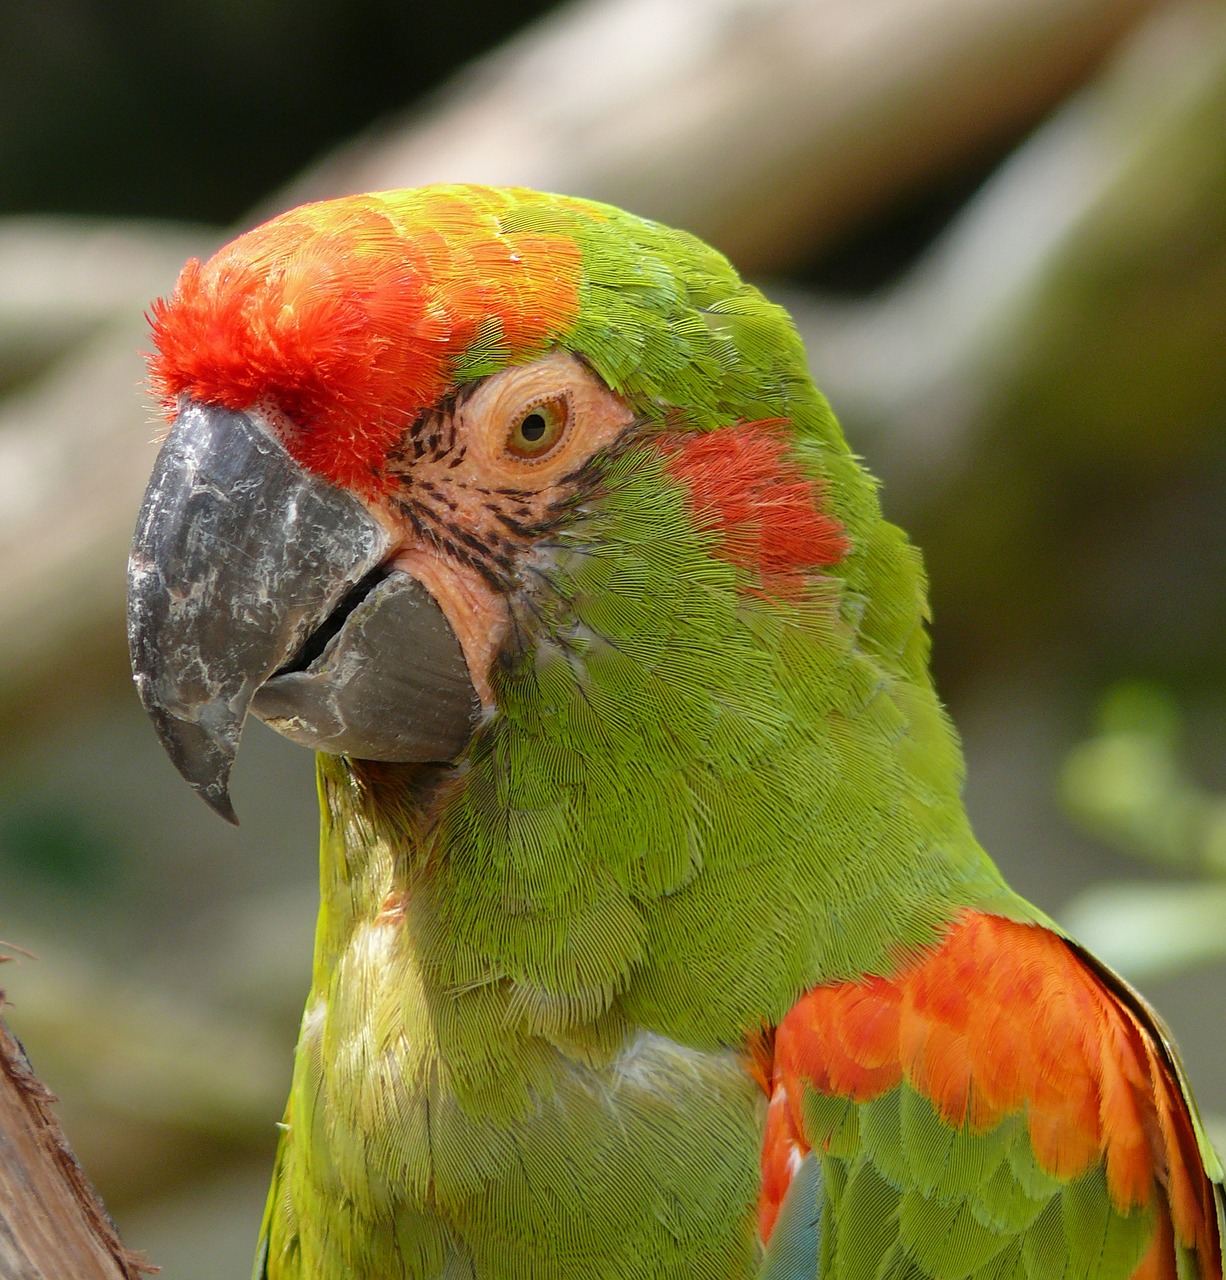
[{"x": 654, "y": 940}]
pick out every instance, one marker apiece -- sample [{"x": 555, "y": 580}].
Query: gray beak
[{"x": 255, "y": 584}]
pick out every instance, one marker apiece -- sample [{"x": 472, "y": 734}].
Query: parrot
[{"x": 654, "y": 939}]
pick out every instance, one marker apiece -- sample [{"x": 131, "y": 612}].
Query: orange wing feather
[{"x": 1002, "y": 1018}]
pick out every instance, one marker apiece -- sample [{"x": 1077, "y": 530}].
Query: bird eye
[{"x": 536, "y": 431}]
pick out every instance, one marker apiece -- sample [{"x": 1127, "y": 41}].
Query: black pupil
[{"x": 533, "y": 428}]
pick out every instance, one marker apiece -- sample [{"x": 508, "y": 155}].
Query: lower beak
[{"x": 255, "y": 584}]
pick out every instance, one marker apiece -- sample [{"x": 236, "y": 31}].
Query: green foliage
[
  {"x": 53, "y": 840},
  {"x": 1128, "y": 786}
]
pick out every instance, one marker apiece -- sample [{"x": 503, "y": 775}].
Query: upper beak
[{"x": 244, "y": 563}]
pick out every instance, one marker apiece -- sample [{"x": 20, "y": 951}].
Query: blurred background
[{"x": 1001, "y": 225}]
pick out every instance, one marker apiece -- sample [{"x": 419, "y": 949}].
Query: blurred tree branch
[
  {"x": 72, "y": 456},
  {"x": 1104, "y": 205},
  {"x": 768, "y": 127},
  {"x": 1056, "y": 354}
]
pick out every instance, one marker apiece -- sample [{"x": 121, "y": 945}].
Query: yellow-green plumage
[{"x": 430, "y": 1129}]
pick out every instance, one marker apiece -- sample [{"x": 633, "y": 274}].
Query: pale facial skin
[{"x": 481, "y": 478}]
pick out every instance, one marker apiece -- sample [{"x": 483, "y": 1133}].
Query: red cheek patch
[{"x": 768, "y": 512}]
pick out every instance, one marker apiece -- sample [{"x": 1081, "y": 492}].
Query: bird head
[{"x": 453, "y": 457}]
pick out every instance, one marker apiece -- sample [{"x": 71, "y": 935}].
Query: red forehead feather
[{"x": 348, "y": 316}]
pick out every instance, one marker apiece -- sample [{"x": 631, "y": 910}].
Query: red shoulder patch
[
  {"x": 769, "y": 513},
  {"x": 999, "y": 1019}
]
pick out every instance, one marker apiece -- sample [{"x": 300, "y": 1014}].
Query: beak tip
[
  {"x": 221, "y": 805},
  {"x": 203, "y": 756}
]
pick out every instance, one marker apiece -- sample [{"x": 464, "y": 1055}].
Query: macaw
[{"x": 654, "y": 940}]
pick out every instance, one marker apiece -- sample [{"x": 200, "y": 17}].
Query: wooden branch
[{"x": 52, "y": 1223}]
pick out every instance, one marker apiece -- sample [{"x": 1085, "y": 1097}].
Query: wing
[{"x": 1003, "y": 1108}]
